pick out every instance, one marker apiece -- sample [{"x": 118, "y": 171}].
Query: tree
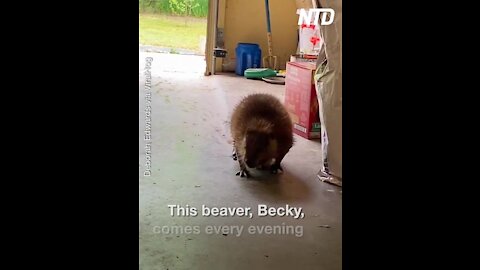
[{"x": 183, "y": 7}]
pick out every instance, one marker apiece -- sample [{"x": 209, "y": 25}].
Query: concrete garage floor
[{"x": 192, "y": 165}]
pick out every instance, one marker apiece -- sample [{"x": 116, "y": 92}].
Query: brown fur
[{"x": 261, "y": 129}]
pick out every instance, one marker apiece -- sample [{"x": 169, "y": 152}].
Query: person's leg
[{"x": 329, "y": 94}]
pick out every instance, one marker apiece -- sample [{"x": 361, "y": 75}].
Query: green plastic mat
[{"x": 258, "y": 73}]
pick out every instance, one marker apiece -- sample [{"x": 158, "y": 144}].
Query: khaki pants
[{"x": 329, "y": 93}]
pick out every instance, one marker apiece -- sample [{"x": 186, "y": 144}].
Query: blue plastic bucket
[{"x": 248, "y": 55}]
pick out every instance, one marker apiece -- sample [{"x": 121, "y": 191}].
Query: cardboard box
[
  {"x": 299, "y": 58},
  {"x": 301, "y": 99}
]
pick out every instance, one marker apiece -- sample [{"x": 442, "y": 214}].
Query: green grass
[
  {"x": 172, "y": 32},
  {"x": 164, "y": 7}
]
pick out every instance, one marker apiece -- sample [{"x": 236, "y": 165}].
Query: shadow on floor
[{"x": 284, "y": 187}]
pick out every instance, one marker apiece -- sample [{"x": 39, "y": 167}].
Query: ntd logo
[{"x": 305, "y": 17}]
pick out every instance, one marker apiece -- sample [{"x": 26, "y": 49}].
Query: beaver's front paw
[
  {"x": 276, "y": 169},
  {"x": 243, "y": 173}
]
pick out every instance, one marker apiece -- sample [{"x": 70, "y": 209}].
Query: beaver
[{"x": 262, "y": 133}]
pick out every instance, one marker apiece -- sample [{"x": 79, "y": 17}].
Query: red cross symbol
[
  {"x": 310, "y": 26},
  {"x": 314, "y": 40}
]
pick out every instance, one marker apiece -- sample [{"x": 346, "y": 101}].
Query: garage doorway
[{"x": 176, "y": 27}]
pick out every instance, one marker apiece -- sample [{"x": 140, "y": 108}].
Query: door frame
[{"x": 211, "y": 34}]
